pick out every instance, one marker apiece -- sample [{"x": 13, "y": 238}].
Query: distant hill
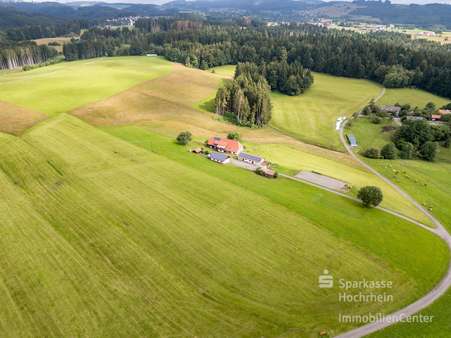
[{"x": 20, "y": 14}]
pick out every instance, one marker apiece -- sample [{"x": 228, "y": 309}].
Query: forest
[
  {"x": 389, "y": 59},
  {"x": 24, "y": 54},
  {"x": 247, "y": 97}
]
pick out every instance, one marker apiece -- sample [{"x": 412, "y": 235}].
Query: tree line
[
  {"x": 45, "y": 31},
  {"x": 390, "y": 59},
  {"x": 25, "y": 54},
  {"x": 247, "y": 97}
]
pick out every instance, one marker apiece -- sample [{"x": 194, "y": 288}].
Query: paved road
[{"x": 430, "y": 297}]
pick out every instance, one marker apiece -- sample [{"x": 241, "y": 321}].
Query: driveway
[{"x": 324, "y": 181}]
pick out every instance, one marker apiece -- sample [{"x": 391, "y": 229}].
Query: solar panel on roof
[
  {"x": 218, "y": 157},
  {"x": 250, "y": 157}
]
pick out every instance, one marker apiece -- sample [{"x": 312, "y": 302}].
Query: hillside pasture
[
  {"x": 311, "y": 116},
  {"x": 15, "y": 120},
  {"x": 176, "y": 102},
  {"x": 65, "y": 86},
  {"x": 227, "y": 71},
  {"x": 101, "y": 237},
  {"x": 290, "y": 159},
  {"x": 414, "y": 97},
  {"x": 428, "y": 182}
]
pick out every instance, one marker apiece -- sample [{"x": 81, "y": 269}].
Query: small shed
[
  {"x": 352, "y": 140},
  {"x": 219, "y": 158}
]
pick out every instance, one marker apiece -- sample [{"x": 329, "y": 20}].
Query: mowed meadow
[
  {"x": 62, "y": 87},
  {"x": 181, "y": 101},
  {"x": 311, "y": 116},
  {"x": 101, "y": 237},
  {"x": 108, "y": 228}
]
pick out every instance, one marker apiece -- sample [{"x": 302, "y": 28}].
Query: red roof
[
  {"x": 436, "y": 117},
  {"x": 230, "y": 146},
  {"x": 213, "y": 141}
]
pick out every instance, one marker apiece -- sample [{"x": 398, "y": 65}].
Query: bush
[
  {"x": 184, "y": 138},
  {"x": 389, "y": 152},
  {"x": 375, "y": 119},
  {"x": 428, "y": 151},
  {"x": 406, "y": 150},
  {"x": 371, "y": 153},
  {"x": 233, "y": 136},
  {"x": 370, "y": 196}
]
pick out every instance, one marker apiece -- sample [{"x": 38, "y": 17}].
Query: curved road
[{"x": 430, "y": 297}]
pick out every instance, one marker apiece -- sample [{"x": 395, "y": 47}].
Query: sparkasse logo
[{"x": 326, "y": 280}]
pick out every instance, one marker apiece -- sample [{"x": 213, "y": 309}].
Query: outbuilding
[
  {"x": 219, "y": 158},
  {"x": 352, "y": 140},
  {"x": 252, "y": 159}
]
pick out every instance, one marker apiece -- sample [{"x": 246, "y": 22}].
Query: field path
[{"x": 430, "y": 297}]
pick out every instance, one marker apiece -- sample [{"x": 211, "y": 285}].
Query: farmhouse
[
  {"x": 444, "y": 111},
  {"x": 352, "y": 140},
  {"x": 225, "y": 145},
  {"x": 252, "y": 159},
  {"x": 219, "y": 158},
  {"x": 394, "y": 110}
]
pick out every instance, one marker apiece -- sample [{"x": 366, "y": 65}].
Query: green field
[
  {"x": 65, "y": 86},
  {"x": 225, "y": 71},
  {"x": 103, "y": 238},
  {"x": 414, "y": 97},
  {"x": 311, "y": 116},
  {"x": 117, "y": 231},
  {"x": 428, "y": 182},
  {"x": 292, "y": 160}
]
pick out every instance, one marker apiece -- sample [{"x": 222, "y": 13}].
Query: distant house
[
  {"x": 394, "y": 110},
  {"x": 252, "y": 159},
  {"x": 415, "y": 118},
  {"x": 219, "y": 158},
  {"x": 444, "y": 111},
  {"x": 225, "y": 145},
  {"x": 436, "y": 117},
  {"x": 352, "y": 140}
]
